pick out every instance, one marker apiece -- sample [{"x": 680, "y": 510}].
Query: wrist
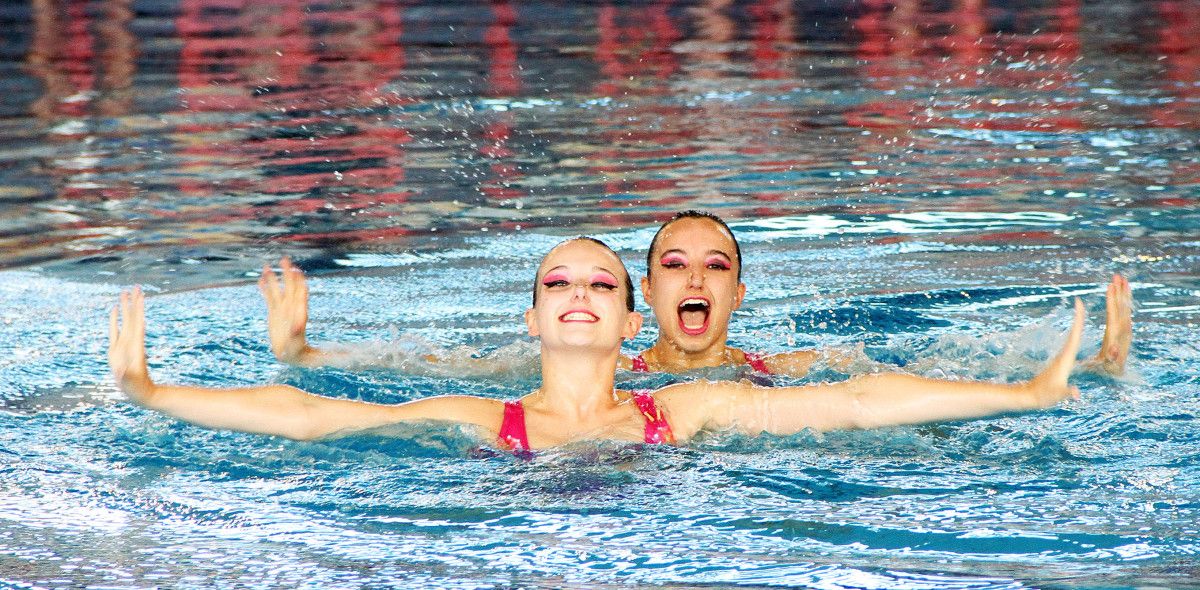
[
  {"x": 293, "y": 352},
  {"x": 140, "y": 389}
]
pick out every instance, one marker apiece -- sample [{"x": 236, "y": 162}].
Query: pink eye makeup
[
  {"x": 604, "y": 280},
  {"x": 717, "y": 262},
  {"x": 673, "y": 261},
  {"x": 555, "y": 279}
]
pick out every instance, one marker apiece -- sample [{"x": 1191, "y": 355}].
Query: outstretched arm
[
  {"x": 870, "y": 401},
  {"x": 286, "y": 296},
  {"x": 269, "y": 409}
]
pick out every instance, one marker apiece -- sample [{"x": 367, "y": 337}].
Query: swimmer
[
  {"x": 692, "y": 285},
  {"x": 582, "y": 311}
]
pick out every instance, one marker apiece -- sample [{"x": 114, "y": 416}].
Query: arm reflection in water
[{"x": 581, "y": 313}]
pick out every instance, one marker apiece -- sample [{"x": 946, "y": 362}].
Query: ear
[
  {"x": 741, "y": 294},
  {"x": 646, "y": 290},
  {"x": 633, "y": 323},
  {"x": 531, "y": 323}
]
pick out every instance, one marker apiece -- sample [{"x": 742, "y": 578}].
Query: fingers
[
  {"x": 112, "y": 327},
  {"x": 125, "y": 309},
  {"x": 1071, "y": 348},
  {"x": 293, "y": 281},
  {"x": 138, "y": 320},
  {"x": 268, "y": 284}
]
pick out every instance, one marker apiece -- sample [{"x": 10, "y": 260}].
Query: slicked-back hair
[
  {"x": 628, "y": 281},
  {"x": 694, "y": 214}
]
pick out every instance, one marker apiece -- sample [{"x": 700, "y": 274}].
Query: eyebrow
[
  {"x": 709, "y": 253},
  {"x": 594, "y": 268}
]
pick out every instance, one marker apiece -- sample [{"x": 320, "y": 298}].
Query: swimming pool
[{"x": 931, "y": 181}]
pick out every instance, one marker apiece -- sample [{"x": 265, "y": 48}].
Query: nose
[
  {"x": 696, "y": 278},
  {"x": 580, "y": 292}
]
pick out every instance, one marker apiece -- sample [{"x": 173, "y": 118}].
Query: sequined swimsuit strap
[
  {"x": 657, "y": 429},
  {"x": 639, "y": 364},
  {"x": 757, "y": 362},
  {"x": 512, "y": 428}
]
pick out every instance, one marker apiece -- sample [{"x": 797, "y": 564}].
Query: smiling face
[
  {"x": 692, "y": 284},
  {"x": 580, "y": 301}
]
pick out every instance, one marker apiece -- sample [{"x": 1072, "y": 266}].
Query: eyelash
[
  {"x": 711, "y": 266},
  {"x": 564, "y": 283}
]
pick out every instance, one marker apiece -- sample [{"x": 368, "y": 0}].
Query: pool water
[{"x": 931, "y": 181}]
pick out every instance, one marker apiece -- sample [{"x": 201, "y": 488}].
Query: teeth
[
  {"x": 578, "y": 315},
  {"x": 694, "y": 301}
]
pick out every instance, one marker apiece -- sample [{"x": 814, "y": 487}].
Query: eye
[
  {"x": 673, "y": 263},
  {"x": 555, "y": 283},
  {"x": 603, "y": 285},
  {"x": 718, "y": 265}
]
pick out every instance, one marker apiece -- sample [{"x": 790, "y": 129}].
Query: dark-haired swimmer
[
  {"x": 581, "y": 316},
  {"x": 693, "y": 284}
]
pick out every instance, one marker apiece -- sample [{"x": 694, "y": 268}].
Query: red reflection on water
[
  {"x": 902, "y": 44},
  {"x": 294, "y": 65},
  {"x": 1181, "y": 60},
  {"x": 503, "y": 80},
  {"x": 634, "y": 42}
]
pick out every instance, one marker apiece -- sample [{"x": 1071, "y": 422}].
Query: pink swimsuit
[
  {"x": 514, "y": 436},
  {"x": 754, "y": 361}
]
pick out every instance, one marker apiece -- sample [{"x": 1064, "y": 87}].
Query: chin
[{"x": 691, "y": 344}]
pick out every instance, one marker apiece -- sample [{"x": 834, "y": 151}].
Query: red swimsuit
[
  {"x": 754, "y": 361},
  {"x": 514, "y": 436}
]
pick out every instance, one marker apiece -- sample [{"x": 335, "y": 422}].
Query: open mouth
[
  {"x": 693, "y": 315},
  {"x": 578, "y": 316}
]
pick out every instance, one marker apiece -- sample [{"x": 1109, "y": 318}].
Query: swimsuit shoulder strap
[
  {"x": 757, "y": 362},
  {"x": 639, "y": 364},
  {"x": 657, "y": 429},
  {"x": 512, "y": 428}
]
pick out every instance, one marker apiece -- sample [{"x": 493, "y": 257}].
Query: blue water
[{"x": 931, "y": 182}]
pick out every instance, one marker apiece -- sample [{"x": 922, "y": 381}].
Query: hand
[
  {"x": 127, "y": 346},
  {"x": 287, "y": 311},
  {"x": 1050, "y": 386},
  {"x": 1118, "y": 328}
]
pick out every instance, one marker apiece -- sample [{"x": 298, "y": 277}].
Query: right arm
[
  {"x": 278, "y": 410},
  {"x": 286, "y": 296}
]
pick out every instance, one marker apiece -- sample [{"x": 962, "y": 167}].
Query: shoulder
[
  {"x": 691, "y": 407},
  {"x": 795, "y": 364}
]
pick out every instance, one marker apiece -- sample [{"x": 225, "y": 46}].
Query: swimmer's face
[
  {"x": 692, "y": 284},
  {"x": 581, "y": 299}
]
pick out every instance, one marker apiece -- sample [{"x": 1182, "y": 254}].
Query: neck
[
  {"x": 576, "y": 383},
  {"x": 666, "y": 355}
]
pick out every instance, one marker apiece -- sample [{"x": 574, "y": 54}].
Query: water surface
[{"x": 933, "y": 181}]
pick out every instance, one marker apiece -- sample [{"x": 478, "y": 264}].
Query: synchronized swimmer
[
  {"x": 582, "y": 311},
  {"x": 693, "y": 284}
]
